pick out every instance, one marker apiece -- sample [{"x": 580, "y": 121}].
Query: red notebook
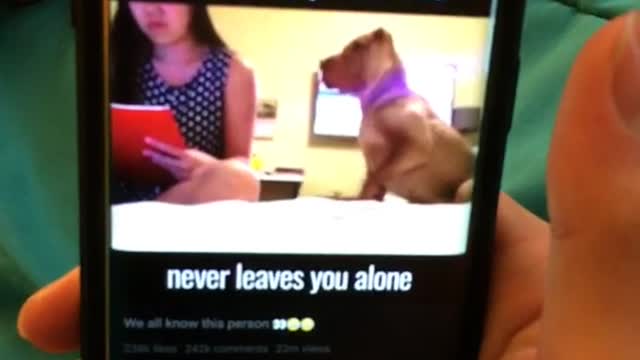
[{"x": 130, "y": 125}]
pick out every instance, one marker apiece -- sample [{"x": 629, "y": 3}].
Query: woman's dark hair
[{"x": 130, "y": 48}]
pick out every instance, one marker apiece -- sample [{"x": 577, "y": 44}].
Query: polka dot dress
[{"x": 198, "y": 107}]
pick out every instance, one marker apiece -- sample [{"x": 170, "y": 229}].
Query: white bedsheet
[{"x": 306, "y": 225}]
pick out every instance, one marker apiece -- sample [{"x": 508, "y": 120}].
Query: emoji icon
[
  {"x": 293, "y": 324},
  {"x": 279, "y": 324},
  {"x": 307, "y": 324}
]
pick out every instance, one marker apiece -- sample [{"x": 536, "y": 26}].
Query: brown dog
[{"x": 408, "y": 151}]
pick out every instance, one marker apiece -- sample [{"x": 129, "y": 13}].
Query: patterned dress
[{"x": 198, "y": 107}]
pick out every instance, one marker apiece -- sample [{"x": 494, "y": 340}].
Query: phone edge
[
  {"x": 88, "y": 17},
  {"x": 92, "y": 194},
  {"x": 497, "y": 117}
]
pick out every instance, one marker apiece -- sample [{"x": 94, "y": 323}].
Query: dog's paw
[
  {"x": 380, "y": 195},
  {"x": 372, "y": 189},
  {"x": 373, "y": 192}
]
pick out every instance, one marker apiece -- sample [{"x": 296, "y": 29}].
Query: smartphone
[{"x": 313, "y": 272}]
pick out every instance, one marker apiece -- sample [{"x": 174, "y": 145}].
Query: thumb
[
  {"x": 592, "y": 301},
  {"x": 50, "y": 319}
]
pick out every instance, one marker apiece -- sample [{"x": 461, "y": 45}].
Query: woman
[{"x": 170, "y": 54}]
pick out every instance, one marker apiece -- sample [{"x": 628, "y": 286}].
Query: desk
[{"x": 279, "y": 186}]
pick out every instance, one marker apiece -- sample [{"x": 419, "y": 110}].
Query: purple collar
[{"x": 391, "y": 86}]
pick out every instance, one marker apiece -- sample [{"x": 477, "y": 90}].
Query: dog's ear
[{"x": 381, "y": 33}]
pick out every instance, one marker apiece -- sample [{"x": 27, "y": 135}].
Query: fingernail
[{"x": 626, "y": 76}]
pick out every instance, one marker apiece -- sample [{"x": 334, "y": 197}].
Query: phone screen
[{"x": 292, "y": 179}]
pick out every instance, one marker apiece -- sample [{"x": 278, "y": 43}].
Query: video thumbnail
[{"x": 293, "y": 131}]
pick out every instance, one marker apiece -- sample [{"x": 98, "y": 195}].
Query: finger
[
  {"x": 166, "y": 162},
  {"x": 50, "y": 319},
  {"x": 591, "y": 306},
  {"x": 517, "y": 281},
  {"x": 164, "y": 147},
  {"x": 200, "y": 157}
]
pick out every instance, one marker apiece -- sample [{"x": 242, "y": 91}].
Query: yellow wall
[{"x": 285, "y": 46}]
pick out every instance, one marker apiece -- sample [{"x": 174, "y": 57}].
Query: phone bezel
[
  {"x": 504, "y": 68},
  {"x": 91, "y": 21}
]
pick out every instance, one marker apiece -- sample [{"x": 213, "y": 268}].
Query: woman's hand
[
  {"x": 565, "y": 290},
  {"x": 183, "y": 164}
]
